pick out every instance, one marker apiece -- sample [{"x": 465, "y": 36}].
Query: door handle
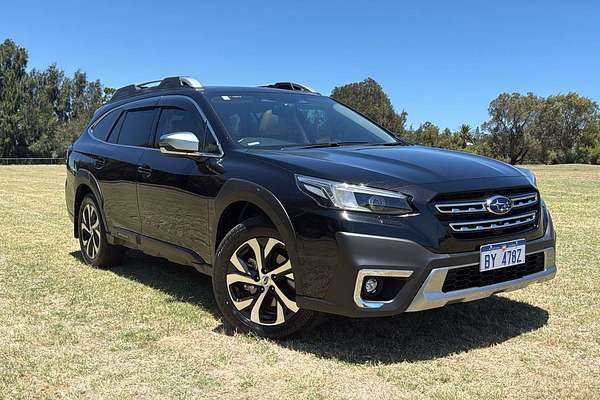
[{"x": 145, "y": 170}]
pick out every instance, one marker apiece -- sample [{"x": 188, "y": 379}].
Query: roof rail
[
  {"x": 291, "y": 86},
  {"x": 172, "y": 82}
]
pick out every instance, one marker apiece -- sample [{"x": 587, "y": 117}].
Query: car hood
[{"x": 387, "y": 167}]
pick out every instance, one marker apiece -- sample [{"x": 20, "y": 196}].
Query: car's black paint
[
  {"x": 356, "y": 252},
  {"x": 175, "y": 211},
  {"x": 389, "y": 167}
]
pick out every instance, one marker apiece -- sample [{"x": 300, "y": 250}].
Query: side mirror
[{"x": 180, "y": 143}]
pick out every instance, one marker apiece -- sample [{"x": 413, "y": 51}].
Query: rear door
[
  {"x": 120, "y": 170},
  {"x": 174, "y": 197}
]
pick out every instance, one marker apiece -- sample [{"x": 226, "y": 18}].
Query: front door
[{"x": 174, "y": 197}]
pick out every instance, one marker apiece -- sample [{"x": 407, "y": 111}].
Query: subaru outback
[{"x": 296, "y": 205}]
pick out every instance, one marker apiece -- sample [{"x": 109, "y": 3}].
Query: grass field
[{"x": 150, "y": 329}]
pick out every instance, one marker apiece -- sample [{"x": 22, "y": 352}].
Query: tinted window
[
  {"x": 291, "y": 119},
  {"x": 178, "y": 120},
  {"x": 102, "y": 128},
  {"x": 114, "y": 133},
  {"x": 136, "y": 127}
]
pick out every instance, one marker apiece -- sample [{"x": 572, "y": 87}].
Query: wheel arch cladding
[
  {"x": 243, "y": 198},
  {"x": 86, "y": 183},
  {"x": 235, "y": 213}
]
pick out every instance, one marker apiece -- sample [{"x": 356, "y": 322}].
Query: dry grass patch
[{"x": 150, "y": 329}]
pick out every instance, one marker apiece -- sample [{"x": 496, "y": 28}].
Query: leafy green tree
[
  {"x": 481, "y": 143},
  {"x": 446, "y": 139},
  {"x": 108, "y": 93},
  {"x": 38, "y": 114},
  {"x": 464, "y": 135},
  {"x": 565, "y": 126},
  {"x": 511, "y": 124},
  {"x": 13, "y": 61},
  {"x": 369, "y": 98},
  {"x": 427, "y": 134},
  {"x": 42, "y": 111}
]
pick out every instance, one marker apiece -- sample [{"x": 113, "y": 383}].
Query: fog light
[{"x": 371, "y": 285}]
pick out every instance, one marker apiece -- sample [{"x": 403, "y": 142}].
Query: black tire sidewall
[
  {"x": 249, "y": 229},
  {"x": 108, "y": 255},
  {"x": 89, "y": 200}
]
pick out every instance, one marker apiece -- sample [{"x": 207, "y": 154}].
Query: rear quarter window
[{"x": 103, "y": 127}]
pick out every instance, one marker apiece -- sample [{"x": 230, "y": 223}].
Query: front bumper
[
  {"x": 423, "y": 271},
  {"x": 431, "y": 295}
]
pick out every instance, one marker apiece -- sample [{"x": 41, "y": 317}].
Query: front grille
[
  {"x": 466, "y": 215},
  {"x": 478, "y": 206},
  {"x": 498, "y": 223},
  {"x": 471, "y": 277}
]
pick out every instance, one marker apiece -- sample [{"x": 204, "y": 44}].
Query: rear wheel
[
  {"x": 254, "y": 282},
  {"x": 94, "y": 245}
]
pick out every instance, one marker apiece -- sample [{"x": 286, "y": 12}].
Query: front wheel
[{"x": 254, "y": 283}]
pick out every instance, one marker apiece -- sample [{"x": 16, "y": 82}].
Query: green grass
[{"x": 150, "y": 329}]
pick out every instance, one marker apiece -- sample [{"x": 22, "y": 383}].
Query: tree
[
  {"x": 427, "y": 134},
  {"x": 464, "y": 135},
  {"x": 369, "y": 98},
  {"x": 511, "y": 124},
  {"x": 41, "y": 112},
  {"x": 108, "y": 93},
  {"x": 446, "y": 139},
  {"x": 39, "y": 122},
  {"x": 13, "y": 61},
  {"x": 565, "y": 125}
]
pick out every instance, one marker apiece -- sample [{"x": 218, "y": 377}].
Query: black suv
[{"x": 295, "y": 204}]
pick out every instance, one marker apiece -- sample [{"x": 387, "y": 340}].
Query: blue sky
[{"x": 440, "y": 61}]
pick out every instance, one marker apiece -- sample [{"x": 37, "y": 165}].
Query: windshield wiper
[
  {"x": 328, "y": 144},
  {"x": 390, "y": 144},
  {"x": 394, "y": 144}
]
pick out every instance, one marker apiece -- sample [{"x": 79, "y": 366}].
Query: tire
[
  {"x": 95, "y": 248},
  {"x": 261, "y": 301}
]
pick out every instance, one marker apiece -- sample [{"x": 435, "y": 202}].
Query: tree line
[
  {"x": 521, "y": 128},
  {"x": 43, "y": 111}
]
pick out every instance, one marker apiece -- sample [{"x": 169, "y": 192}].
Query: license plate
[{"x": 502, "y": 255}]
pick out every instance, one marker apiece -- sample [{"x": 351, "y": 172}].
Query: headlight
[
  {"x": 529, "y": 175},
  {"x": 354, "y": 197}
]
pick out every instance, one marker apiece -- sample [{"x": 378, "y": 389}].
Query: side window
[
  {"x": 177, "y": 120},
  {"x": 102, "y": 128},
  {"x": 114, "y": 133},
  {"x": 136, "y": 128}
]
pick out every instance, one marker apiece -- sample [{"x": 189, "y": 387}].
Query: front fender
[{"x": 235, "y": 190}]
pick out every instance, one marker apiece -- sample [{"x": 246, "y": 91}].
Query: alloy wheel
[
  {"x": 260, "y": 281},
  {"x": 90, "y": 231}
]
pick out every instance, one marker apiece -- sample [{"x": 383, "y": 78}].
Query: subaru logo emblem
[{"x": 498, "y": 205}]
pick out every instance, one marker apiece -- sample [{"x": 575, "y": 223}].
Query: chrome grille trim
[
  {"x": 498, "y": 223},
  {"x": 469, "y": 207},
  {"x": 460, "y": 208},
  {"x": 524, "y": 200}
]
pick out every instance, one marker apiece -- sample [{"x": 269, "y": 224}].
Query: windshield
[{"x": 276, "y": 120}]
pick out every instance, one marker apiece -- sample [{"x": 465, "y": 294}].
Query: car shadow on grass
[
  {"x": 181, "y": 283},
  {"x": 423, "y": 335},
  {"x": 418, "y": 336}
]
